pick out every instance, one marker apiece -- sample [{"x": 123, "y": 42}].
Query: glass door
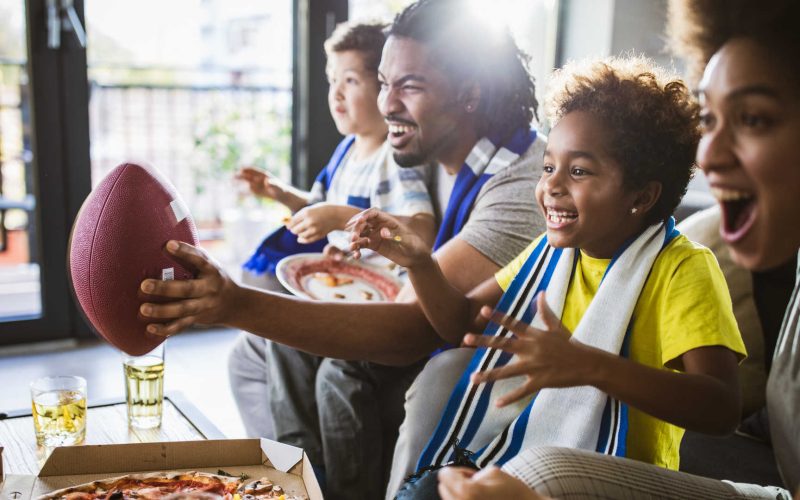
[
  {"x": 43, "y": 152},
  {"x": 20, "y": 272},
  {"x": 196, "y": 88}
]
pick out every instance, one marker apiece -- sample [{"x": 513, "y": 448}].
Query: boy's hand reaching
[
  {"x": 386, "y": 235},
  {"x": 463, "y": 483},
  {"x": 547, "y": 358},
  {"x": 315, "y": 222},
  {"x": 260, "y": 183}
]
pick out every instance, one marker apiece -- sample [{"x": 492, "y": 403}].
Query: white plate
[{"x": 310, "y": 275}]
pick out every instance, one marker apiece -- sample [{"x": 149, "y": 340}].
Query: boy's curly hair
[
  {"x": 366, "y": 38},
  {"x": 651, "y": 121},
  {"x": 698, "y": 28}
]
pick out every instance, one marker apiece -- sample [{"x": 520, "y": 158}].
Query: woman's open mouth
[{"x": 738, "y": 212}]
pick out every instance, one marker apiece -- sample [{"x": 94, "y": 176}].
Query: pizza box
[{"x": 284, "y": 465}]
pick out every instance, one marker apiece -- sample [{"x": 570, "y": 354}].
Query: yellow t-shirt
[{"x": 684, "y": 305}]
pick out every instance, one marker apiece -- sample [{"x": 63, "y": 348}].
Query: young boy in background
[{"x": 361, "y": 172}]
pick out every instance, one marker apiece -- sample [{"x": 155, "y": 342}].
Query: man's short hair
[
  {"x": 456, "y": 40},
  {"x": 366, "y": 38}
]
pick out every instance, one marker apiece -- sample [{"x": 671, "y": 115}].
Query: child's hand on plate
[{"x": 382, "y": 233}]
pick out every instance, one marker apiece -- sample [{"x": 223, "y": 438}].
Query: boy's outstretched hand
[
  {"x": 260, "y": 182},
  {"x": 547, "y": 358},
  {"x": 463, "y": 483},
  {"x": 205, "y": 300},
  {"x": 386, "y": 235}
]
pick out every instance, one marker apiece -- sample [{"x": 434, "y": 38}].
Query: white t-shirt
[
  {"x": 444, "y": 187},
  {"x": 377, "y": 181}
]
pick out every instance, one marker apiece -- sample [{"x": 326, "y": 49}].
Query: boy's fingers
[
  {"x": 387, "y": 234},
  {"x": 520, "y": 392},
  {"x": 520, "y": 328},
  {"x": 359, "y": 243},
  {"x": 551, "y": 321},
  {"x": 507, "y": 371},
  {"x": 492, "y": 342}
]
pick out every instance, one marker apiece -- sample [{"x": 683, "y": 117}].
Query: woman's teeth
[
  {"x": 559, "y": 217},
  {"x": 725, "y": 194}
]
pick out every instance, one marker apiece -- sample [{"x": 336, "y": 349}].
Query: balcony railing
[{"x": 197, "y": 135}]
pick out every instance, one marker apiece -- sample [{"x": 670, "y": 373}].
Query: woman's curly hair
[
  {"x": 651, "y": 121},
  {"x": 458, "y": 41},
  {"x": 698, "y": 28}
]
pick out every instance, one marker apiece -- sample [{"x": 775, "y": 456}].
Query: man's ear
[
  {"x": 647, "y": 197},
  {"x": 470, "y": 96}
]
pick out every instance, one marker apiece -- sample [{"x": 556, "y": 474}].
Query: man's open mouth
[
  {"x": 399, "y": 133},
  {"x": 738, "y": 211}
]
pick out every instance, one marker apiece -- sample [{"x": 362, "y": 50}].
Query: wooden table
[{"x": 106, "y": 423}]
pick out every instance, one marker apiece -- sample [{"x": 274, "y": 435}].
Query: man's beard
[{"x": 407, "y": 160}]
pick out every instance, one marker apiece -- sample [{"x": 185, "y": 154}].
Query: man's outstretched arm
[{"x": 389, "y": 333}]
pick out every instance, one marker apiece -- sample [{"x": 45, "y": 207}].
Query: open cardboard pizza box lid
[{"x": 284, "y": 465}]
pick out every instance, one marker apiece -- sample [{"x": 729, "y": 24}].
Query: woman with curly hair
[
  {"x": 636, "y": 339},
  {"x": 750, "y": 126}
]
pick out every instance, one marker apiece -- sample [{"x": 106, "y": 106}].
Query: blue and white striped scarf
[
  {"x": 576, "y": 417},
  {"x": 487, "y": 158},
  {"x": 282, "y": 242}
]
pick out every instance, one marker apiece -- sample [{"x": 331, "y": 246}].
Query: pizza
[{"x": 173, "y": 486}]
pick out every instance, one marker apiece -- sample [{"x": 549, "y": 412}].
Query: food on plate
[
  {"x": 339, "y": 296},
  {"x": 316, "y": 277},
  {"x": 366, "y": 295},
  {"x": 331, "y": 280},
  {"x": 173, "y": 486}
]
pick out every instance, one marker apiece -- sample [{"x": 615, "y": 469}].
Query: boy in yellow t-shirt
[
  {"x": 683, "y": 306},
  {"x": 617, "y": 163}
]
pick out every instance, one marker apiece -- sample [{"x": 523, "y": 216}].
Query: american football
[{"x": 118, "y": 240}]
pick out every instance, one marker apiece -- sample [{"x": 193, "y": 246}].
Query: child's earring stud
[
  {"x": 469, "y": 108},
  {"x": 634, "y": 210}
]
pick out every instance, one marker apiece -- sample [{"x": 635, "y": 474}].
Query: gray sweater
[{"x": 783, "y": 394}]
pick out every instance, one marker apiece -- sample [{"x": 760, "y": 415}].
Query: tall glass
[
  {"x": 144, "y": 388},
  {"x": 59, "y": 410}
]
